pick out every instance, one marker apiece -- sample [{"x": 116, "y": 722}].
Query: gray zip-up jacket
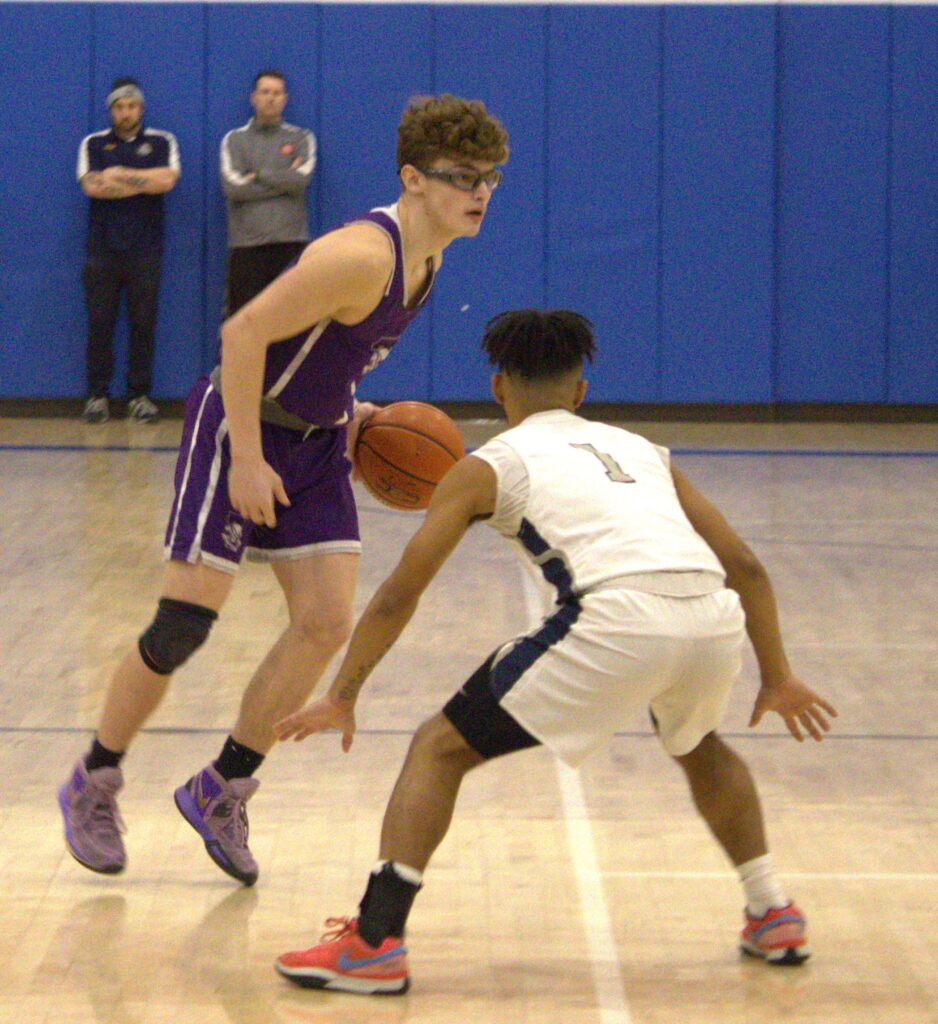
[{"x": 270, "y": 207}]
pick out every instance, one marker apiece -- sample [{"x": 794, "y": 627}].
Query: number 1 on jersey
[{"x": 613, "y": 470}]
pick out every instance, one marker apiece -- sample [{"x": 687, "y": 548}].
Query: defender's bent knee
[
  {"x": 177, "y": 632},
  {"x": 439, "y": 740}
]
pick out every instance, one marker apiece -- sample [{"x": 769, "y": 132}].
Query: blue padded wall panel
[
  {"x": 717, "y": 210},
  {"x": 608, "y": 145},
  {"x": 243, "y": 39},
  {"x": 44, "y": 112},
  {"x": 503, "y": 267},
  {"x": 145, "y": 41},
  {"x": 602, "y": 187},
  {"x": 833, "y": 148},
  {"x": 375, "y": 57},
  {"x": 913, "y": 356}
]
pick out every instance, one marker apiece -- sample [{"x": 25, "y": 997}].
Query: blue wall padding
[
  {"x": 717, "y": 236},
  {"x": 834, "y": 154},
  {"x": 603, "y": 135},
  {"x": 503, "y": 268},
  {"x": 913, "y": 294},
  {"x": 44, "y": 112},
  {"x": 743, "y": 198}
]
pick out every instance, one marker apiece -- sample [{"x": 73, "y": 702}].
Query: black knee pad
[{"x": 177, "y": 632}]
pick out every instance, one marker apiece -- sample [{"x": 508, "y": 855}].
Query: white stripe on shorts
[
  {"x": 213, "y": 476},
  {"x": 326, "y": 547},
  {"x": 185, "y": 475}
]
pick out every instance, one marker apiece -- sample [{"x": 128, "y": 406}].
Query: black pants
[
  {"x": 105, "y": 273},
  {"x": 252, "y": 268}
]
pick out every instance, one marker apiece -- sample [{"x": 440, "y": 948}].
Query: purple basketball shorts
[{"x": 321, "y": 518}]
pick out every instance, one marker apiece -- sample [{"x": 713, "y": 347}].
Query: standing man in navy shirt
[{"x": 125, "y": 170}]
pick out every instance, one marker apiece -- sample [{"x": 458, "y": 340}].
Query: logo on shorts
[{"x": 231, "y": 535}]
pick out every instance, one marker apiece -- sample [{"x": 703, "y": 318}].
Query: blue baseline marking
[{"x": 810, "y": 453}]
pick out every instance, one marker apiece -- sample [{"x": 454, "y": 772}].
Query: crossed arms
[
  {"x": 244, "y": 185},
  {"x": 122, "y": 182}
]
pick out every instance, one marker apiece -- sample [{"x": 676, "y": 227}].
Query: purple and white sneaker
[
  {"x": 214, "y": 807},
  {"x": 93, "y": 824}
]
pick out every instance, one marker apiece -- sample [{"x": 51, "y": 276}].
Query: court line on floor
[
  {"x": 635, "y": 734},
  {"x": 835, "y": 876},
  {"x": 848, "y": 453},
  {"x": 88, "y": 448},
  {"x": 597, "y": 925}
]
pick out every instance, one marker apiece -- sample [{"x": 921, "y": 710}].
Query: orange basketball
[{"x": 404, "y": 450}]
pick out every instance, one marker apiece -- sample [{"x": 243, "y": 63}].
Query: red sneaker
[
  {"x": 344, "y": 962},
  {"x": 778, "y": 937}
]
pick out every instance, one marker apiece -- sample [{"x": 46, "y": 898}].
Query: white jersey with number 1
[{"x": 591, "y": 503}]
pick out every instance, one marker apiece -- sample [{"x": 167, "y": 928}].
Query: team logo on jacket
[
  {"x": 287, "y": 149},
  {"x": 145, "y": 150}
]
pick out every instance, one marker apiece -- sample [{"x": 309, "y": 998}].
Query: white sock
[
  {"x": 763, "y": 890},
  {"x": 409, "y": 874}
]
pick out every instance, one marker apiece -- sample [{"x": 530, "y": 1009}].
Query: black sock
[
  {"x": 101, "y": 757},
  {"x": 237, "y": 761},
  {"x": 385, "y": 906}
]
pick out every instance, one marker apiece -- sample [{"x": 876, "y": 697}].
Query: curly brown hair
[{"x": 445, "y": 125}]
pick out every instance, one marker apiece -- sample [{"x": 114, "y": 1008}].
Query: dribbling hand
[
  {"x": 363, "y": 412},
  {"x": 799, "y": 706},
  {"x": 328, "y": 713}
]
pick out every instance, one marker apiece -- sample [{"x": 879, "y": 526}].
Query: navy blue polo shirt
[{"x": 137, "y": 221}]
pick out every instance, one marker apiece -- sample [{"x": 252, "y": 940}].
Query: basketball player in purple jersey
[{"x": 262, "y": 468}]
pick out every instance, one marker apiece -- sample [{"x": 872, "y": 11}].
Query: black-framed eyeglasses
[{"x": 465, "y": 181}]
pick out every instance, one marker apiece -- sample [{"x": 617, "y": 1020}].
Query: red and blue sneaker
[
  {"x": 344, "y": 962},
  {"x": 778, "y": 937}
]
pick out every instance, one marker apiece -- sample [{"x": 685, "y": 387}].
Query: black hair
[
  {"x": 538, "y": 344},
  {"x": 269, "y": 73},
  {"x": 119, "y": 82}
]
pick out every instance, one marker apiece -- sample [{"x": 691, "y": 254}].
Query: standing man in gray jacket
[{"x": 266, "y": 167}]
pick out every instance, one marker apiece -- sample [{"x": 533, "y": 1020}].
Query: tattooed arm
[
  {"x": 100, "y": 185},
  {"x": 466, "y": 493},
  {"x": 151, "y": 180},
  {"x": 121, "y": 182}
]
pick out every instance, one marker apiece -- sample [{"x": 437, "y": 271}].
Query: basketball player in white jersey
[{"x": 653, "y": 593}]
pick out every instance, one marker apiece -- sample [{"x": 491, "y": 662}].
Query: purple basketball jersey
[
  {"x": 312, "y": 375},
  {"x": 315, "y": 373}
]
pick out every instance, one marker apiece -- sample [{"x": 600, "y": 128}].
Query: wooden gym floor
[{"x": 557, "y": 898}]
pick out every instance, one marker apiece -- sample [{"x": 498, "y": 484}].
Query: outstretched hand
[
  {"x": 328, "y": 713},
  {"x": 799, "y": 706}
]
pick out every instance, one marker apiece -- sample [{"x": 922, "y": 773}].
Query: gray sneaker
[
  {"x": 214, "y": 807},
  {"x": 93, "y": 824},
  {"x": 142, "y": 410},
  {"x": 96, "y": 411}
]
